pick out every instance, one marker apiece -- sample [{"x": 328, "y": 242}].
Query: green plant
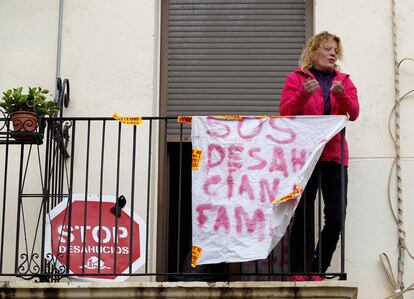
[{"x": 34, "y": 101}]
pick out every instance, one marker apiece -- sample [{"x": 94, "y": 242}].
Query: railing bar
[
  {"x": 289, "y": 265},
  {"x": 110, "y": 118},
  {"x": 70, "y": 187},
  {"x": 53, "y": 177},
  {"x": 61, "y": 165},
  {"x": 40, "y": 167},
  {"x": 118, "y": 159},
  {"x": 101, "y": 194},
  {"x": 67, "y": 175},
  {"x": 48, "y": 162},
  {"x": 304, "y": 233},
  {"x": 320, "y": 217},
  {"x": 39, "y": 217},
  {"x": 26, "y": 167},
  {"x": 53, "y": 173},
  {"x": 131, "y": 223},
  {"x": 85, "y": 208},
  {"x": 32, "y": 195},
  {"x": 61, "y": 235},
  {"x": 39, "y": 195},
  {"x": 45, "y": 201},
  {"x": 61, "y": 185},
  {"x": 283, "y": 255},
  {"x": 165, "y": 192},
  {"x": 180, "y": 168},
  {"x": 25, "y": 229},
  {"x": 270, "y": 264},
  {"x": 19, "y": 199},
  {"x": 148, "y": 194},
  {"x": 3, "y": 219},
  {"x": 240, "y": 265},
  {"x": 343, "y": 203},
  {"x": 212, "y": 274},
  {"x": 105, "y": 118},
  {"x": 56, "y": 173}
]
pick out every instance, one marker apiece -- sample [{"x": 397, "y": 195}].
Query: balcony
[{"x": 131, "y": 172}]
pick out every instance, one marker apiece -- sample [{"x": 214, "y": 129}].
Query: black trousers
[{"x": 302, "y": 232}]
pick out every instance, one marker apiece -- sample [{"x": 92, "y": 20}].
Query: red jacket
[{"x": 295, "y": 100}]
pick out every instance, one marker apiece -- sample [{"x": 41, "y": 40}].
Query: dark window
[{"x": 221, "y": 57}]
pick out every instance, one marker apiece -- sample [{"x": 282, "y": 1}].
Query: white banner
[{"x": 248, "y": 175}]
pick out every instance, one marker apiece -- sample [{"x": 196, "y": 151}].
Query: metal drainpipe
[{"x": 59, "y": 44}]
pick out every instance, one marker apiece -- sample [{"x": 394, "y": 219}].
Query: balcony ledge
[{"x": 199, "y": 290}]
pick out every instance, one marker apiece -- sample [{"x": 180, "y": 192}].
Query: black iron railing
[{"x": 146, "y": 174}]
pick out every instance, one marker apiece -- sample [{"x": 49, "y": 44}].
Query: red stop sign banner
[{"x": 91, "y": 244}]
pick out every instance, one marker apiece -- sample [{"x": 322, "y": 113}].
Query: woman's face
[{"x": 326, "y": 57}]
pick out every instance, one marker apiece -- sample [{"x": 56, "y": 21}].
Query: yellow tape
[
  {"x": 196, "y": 158},
  {"x": 290, "y": 196},
  {"x": 269, "y": 116},
  {"x": 185, "y": 119},
  {"x": 128, "y": 120},
  {"x": 195, "y": 255},
  {"x": 233, "y": 117}
]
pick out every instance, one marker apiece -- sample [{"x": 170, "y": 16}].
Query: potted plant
[{"x": 26, "y": 109}]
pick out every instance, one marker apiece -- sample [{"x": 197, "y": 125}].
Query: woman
[{"x": 317, "y": 87}]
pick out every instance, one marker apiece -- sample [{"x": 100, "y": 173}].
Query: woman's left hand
[{"x": 337, "y": 87}]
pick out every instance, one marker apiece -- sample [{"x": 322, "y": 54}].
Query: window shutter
[{"x": 231, "y": 56}]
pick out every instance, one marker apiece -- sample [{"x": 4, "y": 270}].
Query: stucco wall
[
  {"x": 110, "y": 53},
  {"x": 366, "y": 30},
  {"x": 28, "y": 38}
]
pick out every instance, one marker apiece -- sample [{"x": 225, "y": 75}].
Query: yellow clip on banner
[
  {"x": 128, "y": 120},
  {"x": 293, "y": 195},
  {"x": 185, "y": 119},
  {"x": 196, "y": 158},
  {"x": 195, "y": 255}
]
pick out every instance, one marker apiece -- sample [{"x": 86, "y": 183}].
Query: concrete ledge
[{"x": 171, "y": 290}]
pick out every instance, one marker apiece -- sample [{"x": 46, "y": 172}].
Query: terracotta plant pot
[{"x": 23, "y": 121}]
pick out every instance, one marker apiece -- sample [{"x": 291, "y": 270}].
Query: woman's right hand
[{"x": 311, "y": 85}]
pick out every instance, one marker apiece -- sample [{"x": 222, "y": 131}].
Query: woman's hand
[
  {"x": 311, "y": 85},
  {"x": 337, "y": 87}
]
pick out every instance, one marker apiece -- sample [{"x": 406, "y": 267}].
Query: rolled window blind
[{"x": 231, "y": 56}]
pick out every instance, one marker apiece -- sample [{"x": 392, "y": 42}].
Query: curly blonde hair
[{"x": 314, "y": 44}]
